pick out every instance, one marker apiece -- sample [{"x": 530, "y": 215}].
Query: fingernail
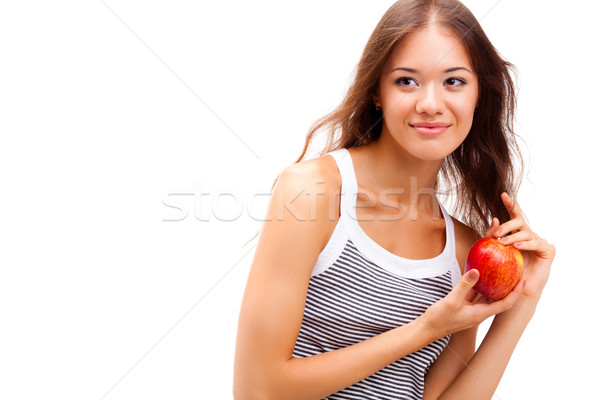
[
  {"x": 471, "y": 274},
  {"x": 498, "y": 232}
]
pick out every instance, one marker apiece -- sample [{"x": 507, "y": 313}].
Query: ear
[{"x": 376, "y": 101}]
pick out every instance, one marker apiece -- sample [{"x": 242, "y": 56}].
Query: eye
[
  {"x": 456, "y": 81},
  {"x": 404, "y": 81}
]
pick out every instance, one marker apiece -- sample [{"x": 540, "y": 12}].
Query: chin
[
  {"x": 432, "y": 154},
  {"x": 433, "y": 157}
]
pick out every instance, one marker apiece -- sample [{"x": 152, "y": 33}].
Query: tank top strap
[
  {"x": 451, "y": 244},
  {"x": 349, "y": 189}
]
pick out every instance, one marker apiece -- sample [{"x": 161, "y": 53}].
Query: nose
[{"x": 430, "y": 100}]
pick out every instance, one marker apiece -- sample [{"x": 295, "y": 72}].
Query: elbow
[
  {"x": 245, "y": 389},
  {"x": 242, "y": 390},
  {"x": 242, "y": 393},
  {"x": 250, "y": 388},
  {"x": 246, "y": 395},
  {"x": 260, "y": 380},
  {"x": 252, "y": 392}
]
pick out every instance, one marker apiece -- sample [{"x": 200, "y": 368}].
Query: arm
[
  {"x": 273, "y": 306},
  {"x": 480, "y": 378},
  {"x": 461, "y": 346},
  {"x": 450, "y": 363},
  {"x": 274, "y": 299}
]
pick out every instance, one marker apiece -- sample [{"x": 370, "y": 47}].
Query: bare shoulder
[
  {"x": 465, "y": 236},
  {"x": 318, "y": 177},
  {"x": 321, "y": 170},
  {"x": 308, "y": 192}
]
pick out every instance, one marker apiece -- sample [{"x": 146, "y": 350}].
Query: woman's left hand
[{"x": 537, "y": 253}]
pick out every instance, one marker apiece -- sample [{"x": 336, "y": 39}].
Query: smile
[{"x": 430, "y": 131}]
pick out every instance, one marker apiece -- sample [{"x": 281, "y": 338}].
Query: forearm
[
  {"x": 481, "y": 376},
  {"x": 318, "y": 376}
]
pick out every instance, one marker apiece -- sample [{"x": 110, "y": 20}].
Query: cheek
[
  {"x": 467, "y": 115},
  {"x": 398, "y": 105},
  {"x": 465, "y": 110}
]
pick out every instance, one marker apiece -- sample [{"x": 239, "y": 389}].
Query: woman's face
[{"x": 428, "y": 79}]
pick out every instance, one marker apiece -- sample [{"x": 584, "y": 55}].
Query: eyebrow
[{"x": 414, "y": 71}]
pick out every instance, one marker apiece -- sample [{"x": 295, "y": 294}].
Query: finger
[
  {"x": 507, "y": 302},
  {"x": 486, "y": 309},
  {"x": 471, "y": 294},
  {"x": 493, "y": 227},
  {"x": 521, "y": 236},
  {"x": 483, "y": 300},
  {"x": 513, "y": 225},
  {"x": 514, "y": 294},
  {"x": 540, "y": 246},
  {"x": 512, "y": 206},
  {"x": 467, "y": 281}
]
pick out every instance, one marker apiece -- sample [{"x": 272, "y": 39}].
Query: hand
[
  {"x": 458, "y": 310},
  {"x": 538, "y": 254}
]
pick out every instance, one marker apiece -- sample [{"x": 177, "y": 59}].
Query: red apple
[{"x": 500, "y": 267}]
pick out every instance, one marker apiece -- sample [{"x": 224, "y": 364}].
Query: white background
[{"x": 105, "y": 120}]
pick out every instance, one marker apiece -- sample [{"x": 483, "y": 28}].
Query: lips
[{"x": 430, "y": 128}]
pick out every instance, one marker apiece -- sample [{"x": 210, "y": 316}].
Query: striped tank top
[{"x": 358, "y": 289}]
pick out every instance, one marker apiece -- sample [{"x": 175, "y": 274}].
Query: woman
[{"x": 357, "y": 289}]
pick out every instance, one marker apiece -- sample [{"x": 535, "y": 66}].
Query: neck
[{"x": 409, "y": 181}]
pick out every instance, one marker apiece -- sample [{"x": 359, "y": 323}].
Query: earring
[{"x": 377, "y": 107}]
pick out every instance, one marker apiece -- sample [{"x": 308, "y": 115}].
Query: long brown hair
[{"x": 488, "y": 161}]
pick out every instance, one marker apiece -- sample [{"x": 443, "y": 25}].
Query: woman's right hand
[{"x": 457, "y": 311}]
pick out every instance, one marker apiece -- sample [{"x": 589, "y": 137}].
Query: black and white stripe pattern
[{"x": 355, "y": 299}]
